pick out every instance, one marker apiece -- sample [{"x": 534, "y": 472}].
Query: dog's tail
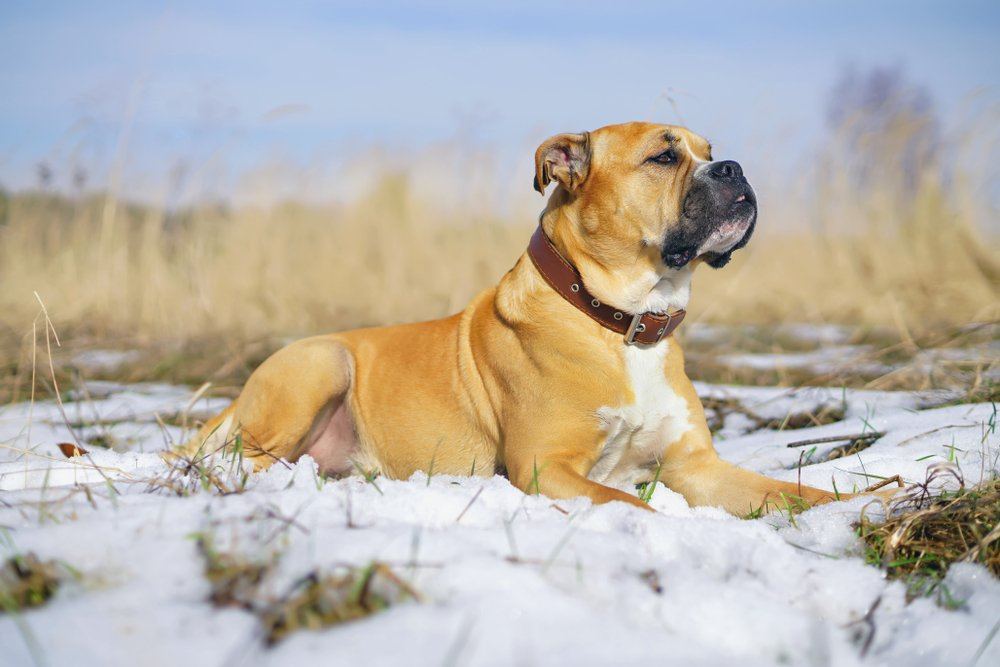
[{"x": 212, "y": 438}]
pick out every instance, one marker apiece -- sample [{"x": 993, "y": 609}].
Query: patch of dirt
[
  {"x": 318, "y": 601},
  {"x": 27, "y": 581},
  {"x": 315, "y": 601}
]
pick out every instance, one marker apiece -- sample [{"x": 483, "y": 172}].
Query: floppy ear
[{"x": 564, "y": 158}]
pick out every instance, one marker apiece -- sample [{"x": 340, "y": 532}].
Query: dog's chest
[{"x": 636, "y": 434}]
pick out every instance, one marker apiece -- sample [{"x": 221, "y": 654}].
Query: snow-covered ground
[
  {"x": 504, "y": 578},
  {"x": 823, "y": 360}
]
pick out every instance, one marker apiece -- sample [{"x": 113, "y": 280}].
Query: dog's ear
[{"x": 564, "y": 158}]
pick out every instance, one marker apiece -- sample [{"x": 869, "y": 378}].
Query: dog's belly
[
  {"x": 333, "y": 442},
  {"x": 637, "y": 434}
]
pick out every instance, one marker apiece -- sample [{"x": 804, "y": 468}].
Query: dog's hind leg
[
  {"x": 210, "y": 438},
  {"x": 296, "y": 402}
]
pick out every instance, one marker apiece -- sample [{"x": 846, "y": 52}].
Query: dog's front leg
[
  {"x": 695, "y": 471},
  {"x": 693, "y": 468},
  {"x": 556, "y": 464},
  {"x": 562, "y": 479}
]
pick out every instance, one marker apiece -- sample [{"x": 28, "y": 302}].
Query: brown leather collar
[{"x": 645, "y": 328}]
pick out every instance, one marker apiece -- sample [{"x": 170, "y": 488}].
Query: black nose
[{"x": 727, "y": 170}]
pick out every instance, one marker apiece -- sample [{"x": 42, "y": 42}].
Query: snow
[
  {"x": 104, "y": 360},
  {"x": 824, "y": 360},
  {"x": 777, "y": 404},
  {"x": 801, "y": 332},
  {"x": 827, "y": 350},
  {"x": 505, "y": 578}
]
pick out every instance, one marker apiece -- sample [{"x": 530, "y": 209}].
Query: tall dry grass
[
  {"x": 290, "y": 269},
  {"x": 910, "y": 255}
]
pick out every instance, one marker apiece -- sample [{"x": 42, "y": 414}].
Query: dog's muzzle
[{"x": 719, "y": 215}]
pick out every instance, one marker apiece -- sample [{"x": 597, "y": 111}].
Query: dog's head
[{"x": 645, "y": 197}]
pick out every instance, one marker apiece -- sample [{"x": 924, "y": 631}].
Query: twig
[
  {"x": 885, "y": 482},
  {"x": 869, "y": 623},
  {"x": 801, "y": 455},
  {"x": 873, "y": 435}
]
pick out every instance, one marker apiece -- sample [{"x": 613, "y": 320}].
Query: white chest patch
[{"x": 637, "y": 434}]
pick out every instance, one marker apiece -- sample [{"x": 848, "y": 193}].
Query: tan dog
[{"x": 522, "y": 381}]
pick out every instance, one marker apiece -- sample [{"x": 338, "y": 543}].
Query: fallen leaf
[{"x": 70, "y": 449}]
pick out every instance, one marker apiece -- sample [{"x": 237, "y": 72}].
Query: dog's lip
[
  {"x": 745, "y": 198},
  {"x": 742, "y": 209}
]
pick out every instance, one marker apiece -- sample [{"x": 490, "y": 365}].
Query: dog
[{"x": 565, "y": 376}]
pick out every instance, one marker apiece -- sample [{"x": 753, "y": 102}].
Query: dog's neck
[{"x": 631, "y": 289}]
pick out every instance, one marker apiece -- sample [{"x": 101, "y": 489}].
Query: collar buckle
[{"x": 635, "y": 327}]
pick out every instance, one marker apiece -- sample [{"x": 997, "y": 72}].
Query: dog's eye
[{"x": 666, "y": 157}]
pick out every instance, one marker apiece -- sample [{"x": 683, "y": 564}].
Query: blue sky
[{"x": 314, "y": 82}]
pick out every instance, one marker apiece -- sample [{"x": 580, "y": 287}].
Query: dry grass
[
  {"x": 287, "y": 270},
  {"x": 926, "y": 533},
  {"x": 115, "y": 271}
]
